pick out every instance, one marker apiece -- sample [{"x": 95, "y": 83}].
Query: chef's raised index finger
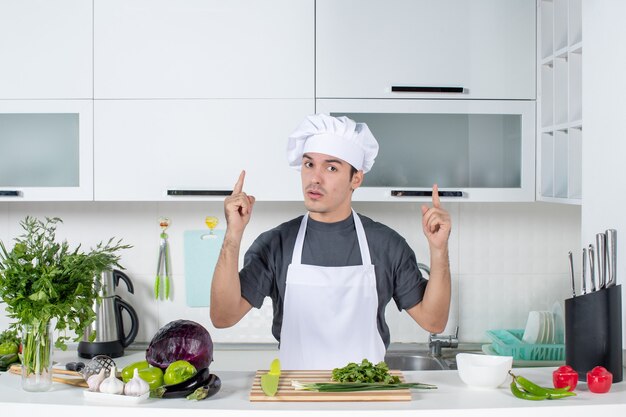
[
  {"x": 436, "y": 202},
  {"x": 239, "y": 185}
]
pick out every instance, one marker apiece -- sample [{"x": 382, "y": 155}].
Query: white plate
[
  {"x": 559, "y": 323},
  {"x": 550, "y": 327},
  {"x": 114, "y": 398},
  {"x": 533, "y": 329}
]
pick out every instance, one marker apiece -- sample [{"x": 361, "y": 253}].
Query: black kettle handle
[
  {"x": 134, "y": 321},
  {"x": 117, "y": 275}
]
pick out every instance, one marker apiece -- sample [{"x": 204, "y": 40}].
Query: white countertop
[{"x": 452, "y": 398}]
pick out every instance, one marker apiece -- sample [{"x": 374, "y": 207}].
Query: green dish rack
[{"x": 510, "y": 343}]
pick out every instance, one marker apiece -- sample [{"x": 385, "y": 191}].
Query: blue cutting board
[{"x": 200, "y": 259}]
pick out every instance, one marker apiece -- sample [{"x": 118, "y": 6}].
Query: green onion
[{"x": 357, "y": 386}]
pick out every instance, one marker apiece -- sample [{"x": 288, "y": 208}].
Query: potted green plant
[{"x": 42, "y": 282}]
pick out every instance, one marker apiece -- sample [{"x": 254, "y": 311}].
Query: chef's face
[{"x": 327, "y": 184}]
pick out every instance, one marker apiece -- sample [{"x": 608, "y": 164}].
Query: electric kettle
[{"x": 106, "y": 335}]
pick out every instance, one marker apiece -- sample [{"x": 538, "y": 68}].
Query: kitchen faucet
[{"x": 437, "y": 341}]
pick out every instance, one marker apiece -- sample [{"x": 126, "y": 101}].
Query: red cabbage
[{"x": 181, "y": 340}]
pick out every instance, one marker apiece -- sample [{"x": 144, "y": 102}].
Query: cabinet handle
[
  {"x": 186, "y": 193},
  {"x": 411, "y": 89},
  {"x": 429, "y": 193},
  {"x": 10, "y": 193}
]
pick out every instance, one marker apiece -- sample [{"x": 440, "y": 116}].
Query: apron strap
[
  {"x": 360, "y": 234},
  {"x": 296, "y": 257}
]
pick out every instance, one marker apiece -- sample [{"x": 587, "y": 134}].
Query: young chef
[{"x": 331, "y": 272}]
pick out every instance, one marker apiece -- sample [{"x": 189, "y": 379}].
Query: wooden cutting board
[
  {"x": 77, "y": 381},
  {"x": 288, "y": 393}
]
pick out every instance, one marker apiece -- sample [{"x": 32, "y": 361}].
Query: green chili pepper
[
  {"x": 531, "y": 391},
  {"x": 525, "y": 395}
]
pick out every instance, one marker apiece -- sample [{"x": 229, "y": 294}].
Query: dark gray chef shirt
[{"x": 264, "y": 271}]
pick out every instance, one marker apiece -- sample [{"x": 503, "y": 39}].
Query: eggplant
[
  {"x": 184, "y": 388},
  {"x": 210, "y": 389}
]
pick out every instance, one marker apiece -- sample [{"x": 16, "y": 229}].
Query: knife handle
[
  {"x": 611, "y": 256},
  {"x": 592, "y": 269},
  {"x": 584, "y": 274},
  {"x": 601, "y": 259},
  {"x": 571, "y": 271}
]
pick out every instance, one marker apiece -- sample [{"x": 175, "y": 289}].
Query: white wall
[
  {"x": 604, "y": 134},
  {"x": 506, "y": 258}
]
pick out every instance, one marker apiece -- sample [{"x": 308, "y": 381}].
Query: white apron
[{"x": 329, "y": 315}]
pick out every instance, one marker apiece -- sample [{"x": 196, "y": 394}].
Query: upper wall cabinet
[
  {"x": 46, "y": 49},
  {"x": 46, "y": 150},
  {"x": 182, "y": 150},
  {"x": 478, "y": 49},
  {"x": 204, "y": 49}
]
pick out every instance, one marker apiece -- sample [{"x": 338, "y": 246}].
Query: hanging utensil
[
  {"x": 592, "y": 269},
  {"x": 571, "y": 270},
  {"x": 601, "y": 259},
  {"x": 211, "y": 222},
  {"x": 611, "y": 251},
  {"x": 163, "y": 265}
]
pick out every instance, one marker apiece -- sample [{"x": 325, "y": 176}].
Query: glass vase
[{"x": 37, "y": 356}]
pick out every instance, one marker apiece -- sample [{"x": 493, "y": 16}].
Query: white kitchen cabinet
[
  {"x": 46, "y": 49},
  {"x": 204, "y": 49},
  {"x": 145, "y": 148},
  {"x": 46, "y": 150},
  {"x": 484, "y": 47},
  {"x": 559, "y": 101},
  {"x": 475, "y": 150}
]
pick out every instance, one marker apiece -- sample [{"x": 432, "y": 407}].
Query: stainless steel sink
[
  {"x": 423, "y": 360},
  {"x": 415, "y": 362}
]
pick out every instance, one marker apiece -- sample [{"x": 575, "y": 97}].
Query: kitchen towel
[{"x": 201, "y": 252}]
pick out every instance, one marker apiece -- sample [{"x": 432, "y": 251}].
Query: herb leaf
[
  {"x": 365, "y": 372},
  {"x": 42, "y": 279}
]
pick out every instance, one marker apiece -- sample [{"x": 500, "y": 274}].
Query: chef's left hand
[{"x": 436, "y": 223}]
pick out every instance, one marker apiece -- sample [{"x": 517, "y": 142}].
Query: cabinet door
[
  {"x": 486, "y": 47},
  {"x": 143, "y": 148},
  {"x": 204, "y": 49},
  {"x": 476, "y": 150},
  {"x": 46, "y": 150},
  {"x": 46, "y": 49}
]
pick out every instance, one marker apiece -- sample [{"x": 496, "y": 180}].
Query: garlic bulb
[
  {"x": 136, "y": 387},
  {"x": 94, "y": 381},
  {"x": 112, "y": 385}
]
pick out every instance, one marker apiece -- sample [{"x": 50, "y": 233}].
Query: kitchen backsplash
[{"x": 506, "y": 258}]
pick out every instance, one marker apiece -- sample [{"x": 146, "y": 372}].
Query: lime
[
  {"x": 177, "y": 372},
  {"x": 275, "y": 367},
  {"x": 269, "y": 384}
]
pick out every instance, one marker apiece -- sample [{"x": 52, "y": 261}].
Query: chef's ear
[{"x": 357, "y": 178}]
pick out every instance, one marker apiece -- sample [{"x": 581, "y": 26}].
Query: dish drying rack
[{"x": 508, "y": 342}]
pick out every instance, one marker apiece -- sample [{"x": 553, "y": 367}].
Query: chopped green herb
[{"x": 365, "y": 372}]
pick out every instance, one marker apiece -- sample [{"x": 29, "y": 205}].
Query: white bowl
[{"x": 483, "y": 371}]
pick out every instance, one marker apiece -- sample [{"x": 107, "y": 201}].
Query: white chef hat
[{"x": 340, "y": 137}]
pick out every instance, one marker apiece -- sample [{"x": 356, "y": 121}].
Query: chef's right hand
[{"x": 238, "y": 207}]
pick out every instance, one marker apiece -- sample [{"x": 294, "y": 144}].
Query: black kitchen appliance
[{"x": 106, "y": 335}]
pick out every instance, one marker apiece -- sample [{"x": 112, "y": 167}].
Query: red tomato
[
  {"x": 565, "y": 376},
  {"x": 599, "y": 380}
]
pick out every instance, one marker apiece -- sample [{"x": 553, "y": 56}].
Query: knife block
[{"x": 593, "y": 332}]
